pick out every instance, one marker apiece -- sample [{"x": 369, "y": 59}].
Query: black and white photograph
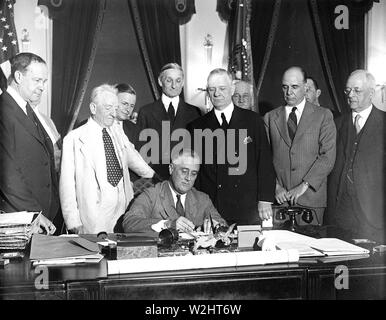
[{"x": 193, "y": 156}]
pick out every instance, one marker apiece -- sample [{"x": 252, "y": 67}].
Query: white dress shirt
[
  {"x": 228, "y": 110},
  {"x": 364, "y": 114},
  {"x": 298, "y": 112},
  {"x": 174, "y": 194},
  {"x": 166, "y": 102}
]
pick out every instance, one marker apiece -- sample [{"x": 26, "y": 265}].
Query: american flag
[
  {"x": 8, "y": 39},
  {"x": 240, "y": 60}
]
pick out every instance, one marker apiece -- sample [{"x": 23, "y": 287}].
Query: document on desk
[
  {"x": 308, "y": 246},
  {"x": 63, "y": 250},
  {"x": 337, "y": 247}
]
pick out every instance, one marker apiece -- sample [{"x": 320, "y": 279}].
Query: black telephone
[{"x": 292, "y": 212}]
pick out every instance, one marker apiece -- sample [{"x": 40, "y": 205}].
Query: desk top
[{"x": 19, "y": 272}]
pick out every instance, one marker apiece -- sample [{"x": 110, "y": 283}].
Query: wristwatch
[{"x": 306, "y": 183}]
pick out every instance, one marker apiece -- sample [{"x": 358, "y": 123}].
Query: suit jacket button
[
  {"x": 293, "y": 169},
  {"x": 48, "y": 185},
  {"x": 219, "y": 186}
]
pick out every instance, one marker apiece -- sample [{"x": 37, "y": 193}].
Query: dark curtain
[
  {"x": 263, "y": 25},
  {"x": 158, "y": 36},
  {"x": 342, "y": 50},
  {"x": 76, "y": 26}
]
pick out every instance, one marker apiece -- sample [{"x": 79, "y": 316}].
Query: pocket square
[{"x": 247, "y": 140}]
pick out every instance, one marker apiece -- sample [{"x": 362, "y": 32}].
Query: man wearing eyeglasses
[
  {"x": 302, "y": 137},
  {"x": 356, "y": 194}
]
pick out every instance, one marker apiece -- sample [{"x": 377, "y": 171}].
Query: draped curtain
[
  {"x": 263, "y": 26},
  {"x": 76, "y": 27},
  {"x": 342, "y": 50},
  {"x": 158, "y": 36}
]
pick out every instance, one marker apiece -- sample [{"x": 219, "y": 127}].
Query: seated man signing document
[{"x": 174, "y": 203}]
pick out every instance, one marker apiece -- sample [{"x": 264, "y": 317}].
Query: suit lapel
[
  {"x": 21, "y": 117},
  {"x": 281, "y": 125},
  {"x": 190, "y": 205},
  {"x": 91, "y": 151},
  {"x": 167, "y": 201},
  {"x": 180, "y": 115},
  {"x": 371, "y": 126},
  {"x": 305, "y": 120},
  {"x": 345, "y": 132},
  {"x": 160, "y": 112}
]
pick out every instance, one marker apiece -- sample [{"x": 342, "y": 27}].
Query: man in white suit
[{"x": 95, "y": 186}]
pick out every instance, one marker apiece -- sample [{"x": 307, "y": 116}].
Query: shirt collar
[
  {"x": 299, "y": 109},
  {"x": 166, "y": 101},
  {"x": 95, "y": 126},
  {"x": 364, "y": 113},
  {"x": 19, "y": 100},
  {"x": 228, "y": 110},
  {"x": 174, "y": 194}
]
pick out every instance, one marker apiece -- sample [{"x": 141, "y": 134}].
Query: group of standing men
[{"x": 288, "y": 157}]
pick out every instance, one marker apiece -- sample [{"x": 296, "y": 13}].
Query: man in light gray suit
[{"x": 303, "y": 141}]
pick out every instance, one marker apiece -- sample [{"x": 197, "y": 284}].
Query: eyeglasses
[{"x": 357, "y": 91}]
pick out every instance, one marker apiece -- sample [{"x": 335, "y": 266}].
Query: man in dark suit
[
  {"x": 174, "y": 203},
  {"x": 28, "y": 179},
  {"x": 163, "y": 117},
  {"x": 357, "y": 184},
  {"x": 302, "y": 138},
  {"x": 127, "y": 98},
  {"x": 241, "y": 190}
]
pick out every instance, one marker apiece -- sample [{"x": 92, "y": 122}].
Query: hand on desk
[{"x": 46, "y": 225}]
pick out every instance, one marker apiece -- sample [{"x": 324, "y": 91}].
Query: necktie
[
  {"x": 356, "y": 123},
  {"x": 171, "y": 113},
  {"x": 179, "y": 208},
  {"x": 114, "y": 171},
  {"x": 224, "y": 123},
  {"x": 292, "y": 123}
]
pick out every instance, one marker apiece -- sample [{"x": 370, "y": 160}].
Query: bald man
[
  {"x": 357, "y": 184},
  {"x": 302, "y": 138}
]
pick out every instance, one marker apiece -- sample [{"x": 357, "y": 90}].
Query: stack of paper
[
  {"x": 336, "y": 247},
  {"x": 308, "y": 246},
  {"x": 52, "y": 250},
  {"x": 16, "y": 229}
]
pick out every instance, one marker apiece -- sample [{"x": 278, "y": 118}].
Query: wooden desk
[{"x": 308, "y": 280}]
